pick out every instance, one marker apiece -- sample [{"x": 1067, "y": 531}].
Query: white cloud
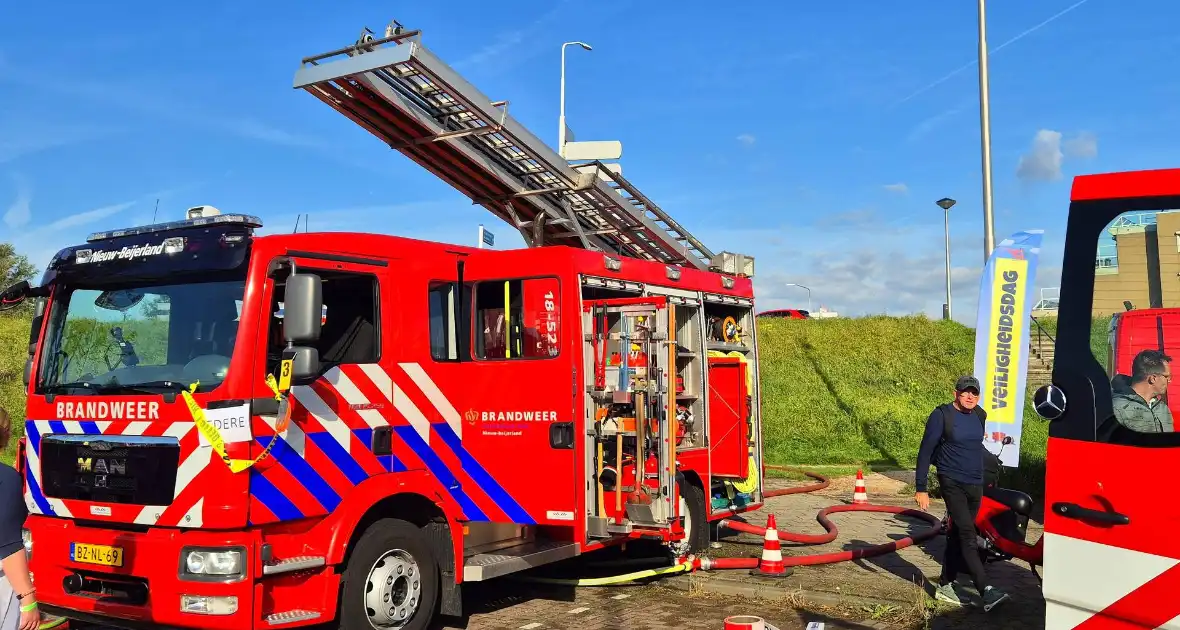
[
  {"x": 1043, "y": 160},
  {"x": 864, "y": 262},
  {"x": 899, "y": 188},
  {"x": 19, "y": 211},
  {"x": 1046, "y": 155},
  {"x": 1084, "y": 145},
  {"x": 747, "y": 139}
]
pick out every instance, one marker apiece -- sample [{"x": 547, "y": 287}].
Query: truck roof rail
[{"x": 400, "y": 92}]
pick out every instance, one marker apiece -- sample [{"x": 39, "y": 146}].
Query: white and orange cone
[
  {"x": 860, "y": 496},
  {"x": 771, "y": 564}
]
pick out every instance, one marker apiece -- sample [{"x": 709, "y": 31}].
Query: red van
[{"x": 1134, "y": 331}]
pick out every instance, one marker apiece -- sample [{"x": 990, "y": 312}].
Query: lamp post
[
  {"x": 561, "y": 115},
  {"x": 945, "y": 203},
  {"x": 985, "y": 132},
  {"x": 792, "y": 284}
]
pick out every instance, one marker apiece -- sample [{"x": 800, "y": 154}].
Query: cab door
[
  {"x": 1112, "y": 554},
  {"x": 327, "y": 447},
  {"x": 509, "y": 388}
]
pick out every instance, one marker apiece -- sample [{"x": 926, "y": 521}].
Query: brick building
[{"x": 1141, "y": 265}]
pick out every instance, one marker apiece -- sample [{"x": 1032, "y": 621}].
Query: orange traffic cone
[
  {"x": 860, "y": 496},
  {"x": 771, "y": 564}
]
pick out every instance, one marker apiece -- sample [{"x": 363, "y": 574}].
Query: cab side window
[
  {"x": 517, "y": 319},
  {"x": 444, "y": 319},
  {"x": 351, "y": 320},
  {"x": 1135, "y": 325}
]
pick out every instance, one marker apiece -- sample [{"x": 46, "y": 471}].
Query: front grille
[{"x": 117, "y": 469}]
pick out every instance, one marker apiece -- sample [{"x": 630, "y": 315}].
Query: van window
[
  {"x": 517, "y": 319},
  {"x": 351, "y": 320},
  {"x": 1135, "y": 322},
  {"x": 444, "y": 318}
]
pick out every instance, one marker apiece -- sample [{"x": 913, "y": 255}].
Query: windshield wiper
[
  {"x": 150, "y": 387},
  {"x": 63, "y": 387}
]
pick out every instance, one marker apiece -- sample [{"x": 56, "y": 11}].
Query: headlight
[
  {"x": 27, "y": 538},
  {"x": 212, "y": 564}
]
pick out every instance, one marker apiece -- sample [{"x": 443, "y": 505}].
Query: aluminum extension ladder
[{"x": 400, "y": 92}]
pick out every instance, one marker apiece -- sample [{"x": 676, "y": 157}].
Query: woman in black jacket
[{"x": 13, "y": 560}]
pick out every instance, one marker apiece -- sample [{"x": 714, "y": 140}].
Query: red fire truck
[{"x": 241, "y": 431}]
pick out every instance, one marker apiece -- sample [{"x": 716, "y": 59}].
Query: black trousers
[{"x": 962, "y": 549}]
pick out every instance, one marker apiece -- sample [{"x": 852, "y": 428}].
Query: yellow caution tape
[{"x": 214, "y": 436}]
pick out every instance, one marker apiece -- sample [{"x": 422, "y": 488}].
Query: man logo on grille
[{"x": 85, "y": 464}]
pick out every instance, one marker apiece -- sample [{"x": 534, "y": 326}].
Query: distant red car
[{"x": 789, "y": 313}]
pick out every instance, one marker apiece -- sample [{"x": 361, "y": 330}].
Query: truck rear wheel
[
  {"x": 696, "y": 525},
  {"x": 391, "y": 580}
]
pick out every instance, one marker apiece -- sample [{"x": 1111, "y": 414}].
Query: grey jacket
[{"x": 1135, "y": 413}]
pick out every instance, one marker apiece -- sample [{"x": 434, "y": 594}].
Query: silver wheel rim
[{"x": 393, "y": 590}]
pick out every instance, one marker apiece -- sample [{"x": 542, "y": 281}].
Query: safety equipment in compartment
[
  {"x": 725, "y": 330},
  {"x": 634, "y": 348}
]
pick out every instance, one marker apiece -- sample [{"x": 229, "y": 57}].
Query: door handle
[{"x": 1077, "y": 512}]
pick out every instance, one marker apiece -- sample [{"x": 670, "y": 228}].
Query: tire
[
  {"x": 696, "y": 540},
  {"x": 380, "y": 570}
]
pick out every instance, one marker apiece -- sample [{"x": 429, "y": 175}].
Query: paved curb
[{"x": 771, "y": 590}]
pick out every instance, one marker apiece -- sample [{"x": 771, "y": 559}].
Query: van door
[
  {"x": 512, "y": 392},
  {"x": 327, "y": 447},
  {"x": 1112, "y": 557}
]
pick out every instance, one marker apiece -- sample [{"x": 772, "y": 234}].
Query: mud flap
[{"x": 450, "y": 593}]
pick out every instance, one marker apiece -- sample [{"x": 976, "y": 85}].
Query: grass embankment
[{"x": 858, "y": 392}]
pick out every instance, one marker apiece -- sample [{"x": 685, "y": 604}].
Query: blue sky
[{"x": 813, "y": 136}]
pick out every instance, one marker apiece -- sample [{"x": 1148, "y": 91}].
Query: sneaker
[
  {"x": 947, "y": 593},
  {"x": 993, "y": 597}
]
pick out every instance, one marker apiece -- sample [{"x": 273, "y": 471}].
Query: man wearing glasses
[
  {"x": 1139, "y": 400},
  {"x": 953, "y": 443}
]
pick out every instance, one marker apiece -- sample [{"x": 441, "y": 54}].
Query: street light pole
[
  {"x": 561, "y": 116},
  {"x": 989, "y": 232},
  {"x": 945, "y": 203},
  {"x": 792, "y": 284}
]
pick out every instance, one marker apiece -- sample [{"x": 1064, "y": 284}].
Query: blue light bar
[{"x": 220, "y": 219}]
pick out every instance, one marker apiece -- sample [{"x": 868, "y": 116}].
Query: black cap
[{"x": 966, "y": 382}]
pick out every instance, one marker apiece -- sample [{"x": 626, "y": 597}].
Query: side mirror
[
  {"x": 34, "y": 334},
  {"x": 305, "y": 364},
  {"x": 303, "y": 308},
  {"x": 14, "y": 295},
  {"x": 1049, "y": 401}
]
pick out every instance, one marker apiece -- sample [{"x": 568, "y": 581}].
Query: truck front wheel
[{"x": 391, "y": 580}]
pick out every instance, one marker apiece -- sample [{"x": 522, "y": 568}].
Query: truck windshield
[{"x": 142, "y": 338}]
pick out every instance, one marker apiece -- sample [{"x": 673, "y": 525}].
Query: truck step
[
  {"x": 291, "y": 616},
  {"x": 297, "y": 563},
  {"x": 485, "y": 566}
]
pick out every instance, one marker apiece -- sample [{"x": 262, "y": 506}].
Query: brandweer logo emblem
[{"x": 471, "y": 416}]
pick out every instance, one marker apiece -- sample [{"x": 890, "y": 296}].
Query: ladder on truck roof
[{"x": 417, "y": 104}]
